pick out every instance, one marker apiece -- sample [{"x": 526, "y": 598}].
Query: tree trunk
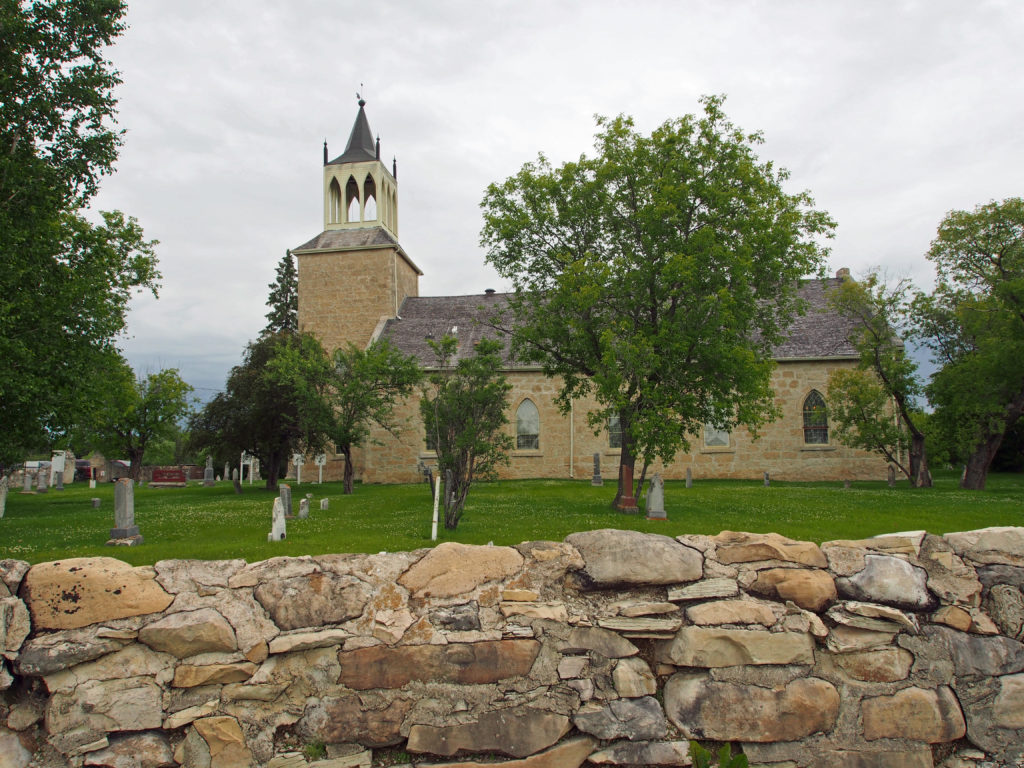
[
  {"x": 273, "y": 470},
  {"x": 346, "y": 451},
  {"x": 980, "y": 460},
  {"x": 920, "y": 477},
  {"x": 135, "y": 470},
  {"x": 976, "y": 470}
]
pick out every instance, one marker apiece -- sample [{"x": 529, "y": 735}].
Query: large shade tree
[
  {"x": 973, "y": 321},
  {"x": 66, "y": 280},
  {"x": 135, "y": 412},
  {"x": 875, "y": 405},
  {"x": 656, "y": 275},
  {"x": 264, "y": 413}
]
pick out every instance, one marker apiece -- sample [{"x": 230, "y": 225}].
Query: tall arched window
[
  {"x": 369, "y": 199},
  {"x": 815, "y": 419},
  {"x": 527, "y": 426},
  {"x": 335, "y": 202},
  {"x": 352, "y": 201}
]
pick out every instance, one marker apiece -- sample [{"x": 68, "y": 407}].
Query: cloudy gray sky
[{"x": 890, "y": 112}]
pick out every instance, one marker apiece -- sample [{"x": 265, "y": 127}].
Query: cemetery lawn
[{"x": 215, "y": 523}]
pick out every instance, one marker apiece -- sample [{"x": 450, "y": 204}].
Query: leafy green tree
[
  {"x": 264, "y": 413},
  {"x": 366, "y": 385},
  {"x": 657, "y": 276},
  {"x": 66, "y": 281},
  {"x": 973, "y": 321},
  {"x": 137, "y": 411},
  {"x": 874, "y": 406},
  {"x": 463, "y": 409},
  {"x": 284, "y": 298}
]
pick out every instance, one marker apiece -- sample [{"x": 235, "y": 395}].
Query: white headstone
[
  {"x": 303, "y": 509},
  {"x": 656, "y": 498},
  {"x": 323, "y": 505},
  {"x": 277, "y": 525}
]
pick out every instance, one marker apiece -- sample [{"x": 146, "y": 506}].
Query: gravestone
[
  {"x": 234, "y": 475},
  {"x": 41, "y": 479},
  {"x": 95, "y": 503},
  {"x": 627, "y": 501},
  {"x": 656, "y": 498},
  {"x": 303, "y": 509},
  {"x": 277, "y": 522},
  {"x": 57, "y": 464},
  {"x": 846, "y": 483},
  {"x": 208, "y": 473},
  {"x": 767, "y": 480},
  {"x": 689, "y": 478},
  {"x": 298, "y": 460},
  {"x": 285, "y": 493},
  {"x": 26, "y": 482},
  {"x": 596, "y": 479},
  {"x": 227, "y": 471},
  {"x": 321, "y": 461},
  {"x": 892, "y": 476},
  {"x": 124, "y": 513},
  {"x": 323, "y": 505}
]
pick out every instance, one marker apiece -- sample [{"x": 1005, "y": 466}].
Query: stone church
[{"x": 357, "y": 284}]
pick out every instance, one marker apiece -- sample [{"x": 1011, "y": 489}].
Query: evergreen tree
[{"x": 284, "y": 298}]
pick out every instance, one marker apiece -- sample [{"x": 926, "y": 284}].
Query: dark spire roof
[{"x": 360, "y": 147}]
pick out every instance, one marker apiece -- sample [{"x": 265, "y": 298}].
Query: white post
[{"x": 437, "y": 498}]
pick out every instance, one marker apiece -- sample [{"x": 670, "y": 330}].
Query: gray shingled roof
[
  {"x": 820, "y": 333},
  {"x": 336, "y": 239},
  {"x": 360, "y": 146}
]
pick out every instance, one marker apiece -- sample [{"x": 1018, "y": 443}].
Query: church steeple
[{"x": 359, "y": 191}]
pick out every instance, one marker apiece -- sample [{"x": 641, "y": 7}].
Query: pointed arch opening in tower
[
  {"x": 352, "y": 202},
  {"x": 334, "y": 202},
  {"x": 369, "y": 199}
]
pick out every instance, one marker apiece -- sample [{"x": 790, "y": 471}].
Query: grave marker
[
  {"x": 892, "y": 476},
  {"x": 323, "y": 505},
  {"x": 298, "y": 460},
  {"x": 208, "y": 480},
  {"x": 124, "y": 514},
  {"x": 26, "y": 482},
  {"x": 303, "y": 509},
  {"x": 767, "y": 480},
  {"x": 627, "y": 501},
  {"x": 41, "y": 481},
  {"x": 321, "y": 460},
  {"x": 596, "y": 479},
  {"x": 95, "y": 503},
  {"x": 656, "y": 498},
  {"x": 278, "y": 528},
  {"x": 689, "y": 478},
  {"x": 285, "y": 493}
]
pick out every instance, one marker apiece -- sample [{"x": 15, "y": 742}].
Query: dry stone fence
[{"x": 610, "y": 648}]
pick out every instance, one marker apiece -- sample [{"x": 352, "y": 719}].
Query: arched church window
[
  {"x": 527, "y": 426},
  {"x": 369, "y": 199},
  {"x": 815, "y": 419},
  {"x": 334, "y": 201},
  {"x": 352, "y": 202}
]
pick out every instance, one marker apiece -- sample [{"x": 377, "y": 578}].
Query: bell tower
[
  {"x": 359, "y": 191},
  {"x": 354, "y": 275}
]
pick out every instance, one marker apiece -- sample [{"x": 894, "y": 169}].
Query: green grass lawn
[{"x": 214, "y": 523}]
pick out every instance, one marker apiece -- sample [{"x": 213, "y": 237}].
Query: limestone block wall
[
  {"x": 610, "y": 648},
  {"x": 568, "y": 443}
]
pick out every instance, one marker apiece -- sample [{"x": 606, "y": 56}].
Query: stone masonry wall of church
[
  {"x": 342, "y": 296},
  {"x": 780, "y": 450}
]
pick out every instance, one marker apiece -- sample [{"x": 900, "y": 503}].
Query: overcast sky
[{"x": 890, "y": 113}]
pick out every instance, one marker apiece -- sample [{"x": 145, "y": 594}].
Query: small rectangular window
[
  {"x": 715, "y": 437},
  {"x": 614, "y": 432}
]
